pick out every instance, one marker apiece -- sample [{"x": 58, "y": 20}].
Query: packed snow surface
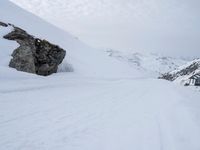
[
  {"x": 66, "y": 112},
  {"x": 104, "y": 104}
]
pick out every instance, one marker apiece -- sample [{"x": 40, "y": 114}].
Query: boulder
[{"x": 34, "y": 55}]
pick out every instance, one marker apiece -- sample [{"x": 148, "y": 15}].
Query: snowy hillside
[
  {"x": 77, "y": 52},
  {"x": 104, "y": 104},
  {"x": 153, "y": 63}
]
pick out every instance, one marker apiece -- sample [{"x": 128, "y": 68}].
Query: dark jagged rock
[
  {"x": 48, "y": 57},
  {"x": 34, "y": 55}
]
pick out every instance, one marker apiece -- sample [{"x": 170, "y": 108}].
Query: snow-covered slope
[
  {"x": 104, "y": 104},
  {"x": 86, "y": 61},
  {"x": 152, "y": 63}
]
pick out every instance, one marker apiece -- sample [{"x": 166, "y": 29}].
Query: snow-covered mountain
[
  {"x": 104, "y": 104},
  {"x": 153, "y": 63},
  {"x": 183, "y": 73}
]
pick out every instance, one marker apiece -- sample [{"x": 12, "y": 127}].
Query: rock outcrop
[{"x": 34, "y": 55}]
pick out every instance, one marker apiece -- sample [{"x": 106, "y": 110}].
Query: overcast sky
[{"x": 170, "y": 27}]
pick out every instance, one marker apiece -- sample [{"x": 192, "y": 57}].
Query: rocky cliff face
[{"x": 34, "y": 55}]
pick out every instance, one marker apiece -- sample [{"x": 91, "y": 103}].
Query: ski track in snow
[{"x": 97, "y": 114}]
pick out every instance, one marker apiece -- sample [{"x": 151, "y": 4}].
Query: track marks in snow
[{"x": 97, "y": 114}]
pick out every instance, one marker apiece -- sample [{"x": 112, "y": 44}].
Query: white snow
[
  {"x": 105, "y": 104},
  {"x": 67, "y": 112},
  {"x": 153, "y": 63}
]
